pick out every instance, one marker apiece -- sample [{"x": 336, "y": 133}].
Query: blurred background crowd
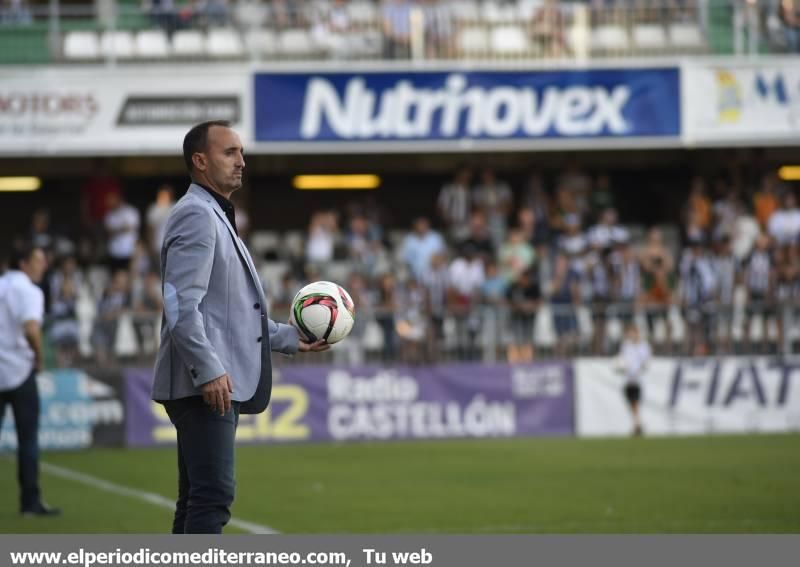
[
  {"x": 492, "y": 272},
  {"x": 395, "y": 29}
]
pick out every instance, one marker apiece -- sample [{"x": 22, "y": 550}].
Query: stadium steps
[
  {"x": 24, "y": 44},
  {"x": 720, "y": 27}
]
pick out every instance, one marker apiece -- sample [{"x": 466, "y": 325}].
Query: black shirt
[
  {"x": 482, "y": 246},
  {"x": 519, "y": 292},
  {"x": 227, "y": 206}
]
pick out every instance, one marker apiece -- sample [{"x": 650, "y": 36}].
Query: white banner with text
[
  {"x": 120, "y": 111},
  {"x": 683, "y": 396}
]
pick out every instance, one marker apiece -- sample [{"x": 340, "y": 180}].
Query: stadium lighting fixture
[
  {"x": 20, "y": 183},
  {"x": 341, "y": 182},
  {"x": 789, "y": 173}
]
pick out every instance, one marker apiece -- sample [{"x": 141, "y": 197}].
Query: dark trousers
[
  {"x": 206, "y": 482},
  {"x": 24, "y": 401}
]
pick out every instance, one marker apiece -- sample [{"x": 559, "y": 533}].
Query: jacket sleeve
[
  {"x": 283, "y": 338},
  {"x": 189, "y": 248}
]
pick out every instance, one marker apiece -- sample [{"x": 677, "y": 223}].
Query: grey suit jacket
[{"x": 215, "y": 319}]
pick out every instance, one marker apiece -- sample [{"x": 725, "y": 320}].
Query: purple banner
[{"x": 320, "y": 403}]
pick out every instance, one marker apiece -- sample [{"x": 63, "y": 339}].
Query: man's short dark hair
[
  {"x": 196, "y": 140},
  {"x": 22, "y": 253}
]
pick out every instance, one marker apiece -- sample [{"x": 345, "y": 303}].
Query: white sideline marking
[{"x": 150, "y": 497}]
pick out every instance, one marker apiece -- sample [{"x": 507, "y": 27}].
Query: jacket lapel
[{"x": 244, "y": 255}]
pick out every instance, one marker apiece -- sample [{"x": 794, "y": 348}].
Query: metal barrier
[
  {"x": 113, "y": 32},
  {"x": 498, "y": 333}
]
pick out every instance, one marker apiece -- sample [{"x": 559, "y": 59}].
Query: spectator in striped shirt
[
  {"x": 439, "y": 18},
  {"x": 454, "y": 205},
  {"x": 726, "y": 270},
  {"x": 565, "y": 295},
  {"x": 494, "y": 198},
  {"x": 698, "y": 289},
  {"x": 759, "y": 282},
  {"x": 397, "y": 29},
  {"x": 436, "y": 282},
  {"x": 787, "y": 292},
  {"x": 627, "y": 281},
  {"x": 598, "y": 273}
]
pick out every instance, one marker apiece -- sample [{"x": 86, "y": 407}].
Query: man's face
[
  {"x": 223, "y": 160},
  {"x": 477, "y": 225},
  {"x": 35, "y": 266},
  {"x": 610, "y": 217},
  {"x": 113, "y": 200},
  {"x": 165, "y": 196},
  {"x": 120, "y": 281},
  {"x": 359, "y": 225}
]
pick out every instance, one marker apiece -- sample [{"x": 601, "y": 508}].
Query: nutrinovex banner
[
  {"x": 484, "y": 105},
  {"x": 317, "y": 403}
]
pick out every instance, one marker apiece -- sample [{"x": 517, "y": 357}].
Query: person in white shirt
[
  {"x": 634, "y": 356},
  {"x": 21, "y": 314},
  {"x": 122, "y": 225},
  {"x": 745, "y": 232},
  {"x": 466, "y": 278},
  {"x": 784, "y": 224},
  {"x": 608, "y": 231},
  {"x": 321, "y": 237},
  {"x": 157, "y": 215}
]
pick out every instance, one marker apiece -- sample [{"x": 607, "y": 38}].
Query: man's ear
[{"x": 199, "y": 161}]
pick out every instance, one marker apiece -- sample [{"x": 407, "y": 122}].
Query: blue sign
[
  {"x": 332, "y": 107},
  {"x": 76, "y": 411}
]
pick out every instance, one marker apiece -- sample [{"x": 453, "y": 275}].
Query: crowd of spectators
[
  {"x": 15, "y": 12},
  {"x": 547, "y": 23},
  {"x": 505, "y": 264},
  {"x": 487, "y": 274}
]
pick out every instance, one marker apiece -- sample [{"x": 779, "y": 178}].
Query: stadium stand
[
  {"x": 487, "y": 29},
  {"x": 691, "y": 285},
  {"x": 519, "y": 30}
]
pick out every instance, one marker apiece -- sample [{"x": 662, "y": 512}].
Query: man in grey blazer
[{"x": 214, "y": 361}]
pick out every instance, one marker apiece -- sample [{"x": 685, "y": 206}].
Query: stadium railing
[
  {"x": 251, "y": 30},
  {"x": 496, "y": 333}
]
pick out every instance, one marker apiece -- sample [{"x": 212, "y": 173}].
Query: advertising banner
[
  {"x": 449, "y": 107},
  {"x": 90, "y": 111},
  {"x": 742, "y": 102},
  {"x": 691, "y": 396},
  {"x": 78, "y": 409},
  {"x": 319, "y": 403}
]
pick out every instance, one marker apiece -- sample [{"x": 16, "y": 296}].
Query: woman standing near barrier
[{"x": 634, "y": 356}]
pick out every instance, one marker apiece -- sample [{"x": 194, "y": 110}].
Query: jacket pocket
[{"x": 219, "y": 340}]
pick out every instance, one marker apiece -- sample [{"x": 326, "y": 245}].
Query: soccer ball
[{"x": 323, "y": 310}]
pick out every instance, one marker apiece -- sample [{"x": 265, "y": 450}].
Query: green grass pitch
[{"x": 724, "y": 484}]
